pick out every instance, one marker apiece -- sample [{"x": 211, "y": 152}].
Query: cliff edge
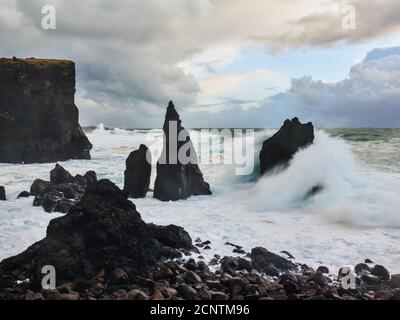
[{"x": 38, "y": 115}]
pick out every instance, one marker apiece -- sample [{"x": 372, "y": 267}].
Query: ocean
[{"x": 355, "y": 217}]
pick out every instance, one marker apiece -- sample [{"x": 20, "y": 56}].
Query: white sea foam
[
  {"x": 352, "y": 193},
  {"x": 352, "y": 219}
]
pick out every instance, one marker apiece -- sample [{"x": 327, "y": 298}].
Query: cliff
[{"x": 38, "y": 116}]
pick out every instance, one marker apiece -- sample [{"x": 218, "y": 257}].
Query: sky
[{"x": 224, "y": 63}]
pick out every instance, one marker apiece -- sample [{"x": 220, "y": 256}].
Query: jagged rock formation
[
  {"x": 62, "y": 192},
  {"x": 38, "y": 116},
  {"x": 177, "y": 180},
  {"x": 2, "y": 194},
  {"x": 278, "y": 150},
  {"x": 103, "y": 232},
  {"x": 138, "y": 173}
]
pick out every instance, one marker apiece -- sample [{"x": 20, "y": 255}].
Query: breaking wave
[{"x": 352, "y": 193}]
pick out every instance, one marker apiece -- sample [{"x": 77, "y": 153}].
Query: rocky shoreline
[
  {"x": 234, "y": 278},
  {"x": 102, "y": 250}
]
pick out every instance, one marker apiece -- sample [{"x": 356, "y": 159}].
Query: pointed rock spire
[{"x": 177, "y": 179}]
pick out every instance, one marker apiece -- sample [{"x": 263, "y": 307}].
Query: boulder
[
  {"x": 91, "y": 177},
  {"x": 172, "y": 236},
  {"x": 2, "y": 194},
  {"x": 38, "y": 115},
  {"x": 63, "y": 192},
  {"x": 38, "y": 186},
  {"x": 138, "y": 173},
  {"x": 278, "y": 150},
  {"x": 24, "y": 194},
  {"x": 262, "y": 260},
  {"x": 178, "y": 178},
  {"x": 59, "y": 175},
  {"x": 103, "y": 232}
]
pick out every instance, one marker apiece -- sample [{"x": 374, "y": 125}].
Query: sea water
[{"x": 355, "y": 217}]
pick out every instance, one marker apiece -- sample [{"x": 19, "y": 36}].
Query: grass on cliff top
[{"x": 34, "y": 61}]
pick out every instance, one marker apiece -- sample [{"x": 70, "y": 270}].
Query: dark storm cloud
[{"x": 128, "y": 53}]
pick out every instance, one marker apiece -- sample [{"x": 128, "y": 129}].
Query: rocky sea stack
[
  {"x": 2, "y": 194},
  {"x": 281, "y": 147},
  {"x": 176, "y": 180},
  {"x": 138, "y": 173},
  {"x": 102, "y": 233},
  {"x": 38, "y": 116}
]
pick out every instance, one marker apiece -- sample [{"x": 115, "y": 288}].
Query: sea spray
[{"x": 349, "y": 195}]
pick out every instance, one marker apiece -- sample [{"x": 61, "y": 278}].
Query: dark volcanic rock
[
  {"x": 63, "y": 192},
  {"x": 104, "y": 231},
  {"x": 38, "y": 116},
  {"x": 172, "y": 236},
  {"x": 59, "y": 175},
  {"x": 91, "y": 177},
  {"x": 262, "y": 259},
  {"x": 138, "y": 173},
  {"x": 2, "y": 194},
  {"x": 176, "y": 180},
  {"x": 280, "y": 148},
  {"x": 24, "y": 194},
  {"x": 381, "y": 272},
  {"x": 38, "y": 186}
]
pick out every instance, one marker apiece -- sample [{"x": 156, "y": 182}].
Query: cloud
[
  {"x": 134, "y": 56},
  {"x": 369, "y": 97}
]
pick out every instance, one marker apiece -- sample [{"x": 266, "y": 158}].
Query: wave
[{"x": 352, "y": 194}]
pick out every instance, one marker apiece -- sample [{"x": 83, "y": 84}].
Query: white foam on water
[{"x": 354, "y": 218}]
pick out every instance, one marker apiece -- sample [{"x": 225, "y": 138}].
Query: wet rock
[
  {"x": 2, "y": 194},
  {"x": 104, "y": 230},
  {"x": 34, "y": 296},
  {"x": 137, "y": 294},
  {"x": 24, "y": 194},
  {"x": 176, "y": 179},
  {"x": 192, "y": 278},
  {"x": 370, "y": 280},
  {"x": 138, "y": 173},
  {"x": 323, "y": 269},
  {"x": 39, "y": 186},
  {"x": 271, "y": 270},
  {"x": 118, "y": 278},
  {"x": 239, "y": 251},
  {"x": 217, "y": 295},
  {"x": 361, "y": 268},
  {"x": 281, "y": 147},
  {"x": 63, "y": 192},
  {"x": 202, "y": 266},
  {"x": 290, "y": 256},
  {"x": 395, "y": 280},
  {"x": 383, "y": 295},
  {"x": 59, "y": 175},
  {"x": 291, "y": 287},
  {"x": 204, "y": 294},
  {"x": 381, "y": 272},
  {"x": 263, "y": 259},
  {"x": 244, "y": 264},
  {"x": 91, "y": 177},
  {"x": 162, "y": 273},
  {"x": 172, "y": 236},
  {"x": 187, "y": 292},
  {"x": 38, "y": 116}
]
